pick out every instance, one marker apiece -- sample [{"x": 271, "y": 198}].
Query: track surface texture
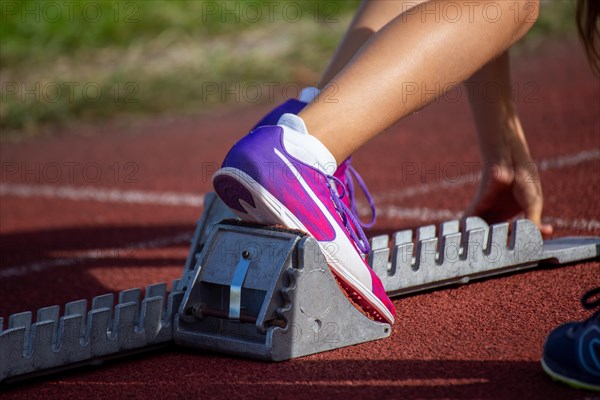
[{"x": 126, "y": 221}]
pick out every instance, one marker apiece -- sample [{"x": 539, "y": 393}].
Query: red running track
[{"x": 480, "y": 341}]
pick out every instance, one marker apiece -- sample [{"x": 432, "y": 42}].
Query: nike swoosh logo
[{"x": 320, "y": 230}]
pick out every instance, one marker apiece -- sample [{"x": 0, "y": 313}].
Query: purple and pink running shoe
[
  {"x": 282, "y": 175},
  {"x": 346, "y": 173}
]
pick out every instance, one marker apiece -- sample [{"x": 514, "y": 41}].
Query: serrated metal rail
[
  {"x": 456, "y": 253},
  {"x": 86, "y": 336}
]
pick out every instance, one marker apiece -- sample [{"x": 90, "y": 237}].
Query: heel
[{"x": 231, "y": 191}]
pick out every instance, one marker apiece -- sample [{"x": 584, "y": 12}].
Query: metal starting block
[{"x": 267, "y": 293}]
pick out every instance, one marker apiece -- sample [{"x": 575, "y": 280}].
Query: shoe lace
[
  {"x": 351, "y": 173},
  {"x": 349, "y": 218},
  {"x": 590, "y": 301}
]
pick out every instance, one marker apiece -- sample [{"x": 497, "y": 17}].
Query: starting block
[{"x": 267, "y": 293}]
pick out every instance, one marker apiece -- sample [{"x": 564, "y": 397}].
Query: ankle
[{"x": 304, "y": 146}]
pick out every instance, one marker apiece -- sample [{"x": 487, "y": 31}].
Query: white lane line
[
  {"x": 578, "y": 224},
  {"x": 103, "y": 195},
  {"x": 95, "y": 254},
  {"x": 569, "y": 160},
  {"x": 564, "y": 161},
  {"x": 107, "y": 195}
]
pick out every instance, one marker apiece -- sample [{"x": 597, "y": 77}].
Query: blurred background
[{"x": 66, "y": 62}]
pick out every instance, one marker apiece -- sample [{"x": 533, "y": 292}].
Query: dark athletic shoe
[{"x": 572, "y": 351}]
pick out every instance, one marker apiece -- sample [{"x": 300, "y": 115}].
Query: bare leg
[
  {"x": 511, "y": 182},
  {"x": 416, "y": 48},
  {"x": 370, "y": 18}
]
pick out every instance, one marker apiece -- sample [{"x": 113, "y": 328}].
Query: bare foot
[{"x": 505, "y": 192}]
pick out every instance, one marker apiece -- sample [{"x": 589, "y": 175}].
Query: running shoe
[
  {"x": 572, "y": 351},
  {"x": 345, "y": 172},
  {"x": 282, "y": 175}
]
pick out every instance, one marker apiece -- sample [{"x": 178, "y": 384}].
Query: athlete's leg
[
  {"x": 420, "y": 50},
  {"x": 511, "y": 183},
  {"x": 369, "y": 18}
]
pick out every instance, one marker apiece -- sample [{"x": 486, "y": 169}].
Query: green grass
[
  {"x": 42, "y": 30},
  {"x": 69, "y": 61}
]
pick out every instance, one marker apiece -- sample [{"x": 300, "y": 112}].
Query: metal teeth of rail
[
  {"x": 459, "y": 252},
  {"x": 82, "y": 336}
]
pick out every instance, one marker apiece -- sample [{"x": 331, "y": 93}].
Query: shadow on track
[
  {"x": 312, "y": 378},
  {"x": 46, "y": 267}
]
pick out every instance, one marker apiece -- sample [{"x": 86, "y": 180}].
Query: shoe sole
[
  {"x": 237, "y": 188},
  {"x": 574, "y": 383}
]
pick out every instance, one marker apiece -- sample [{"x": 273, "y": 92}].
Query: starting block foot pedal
[{"x": 269, "y": 295}]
